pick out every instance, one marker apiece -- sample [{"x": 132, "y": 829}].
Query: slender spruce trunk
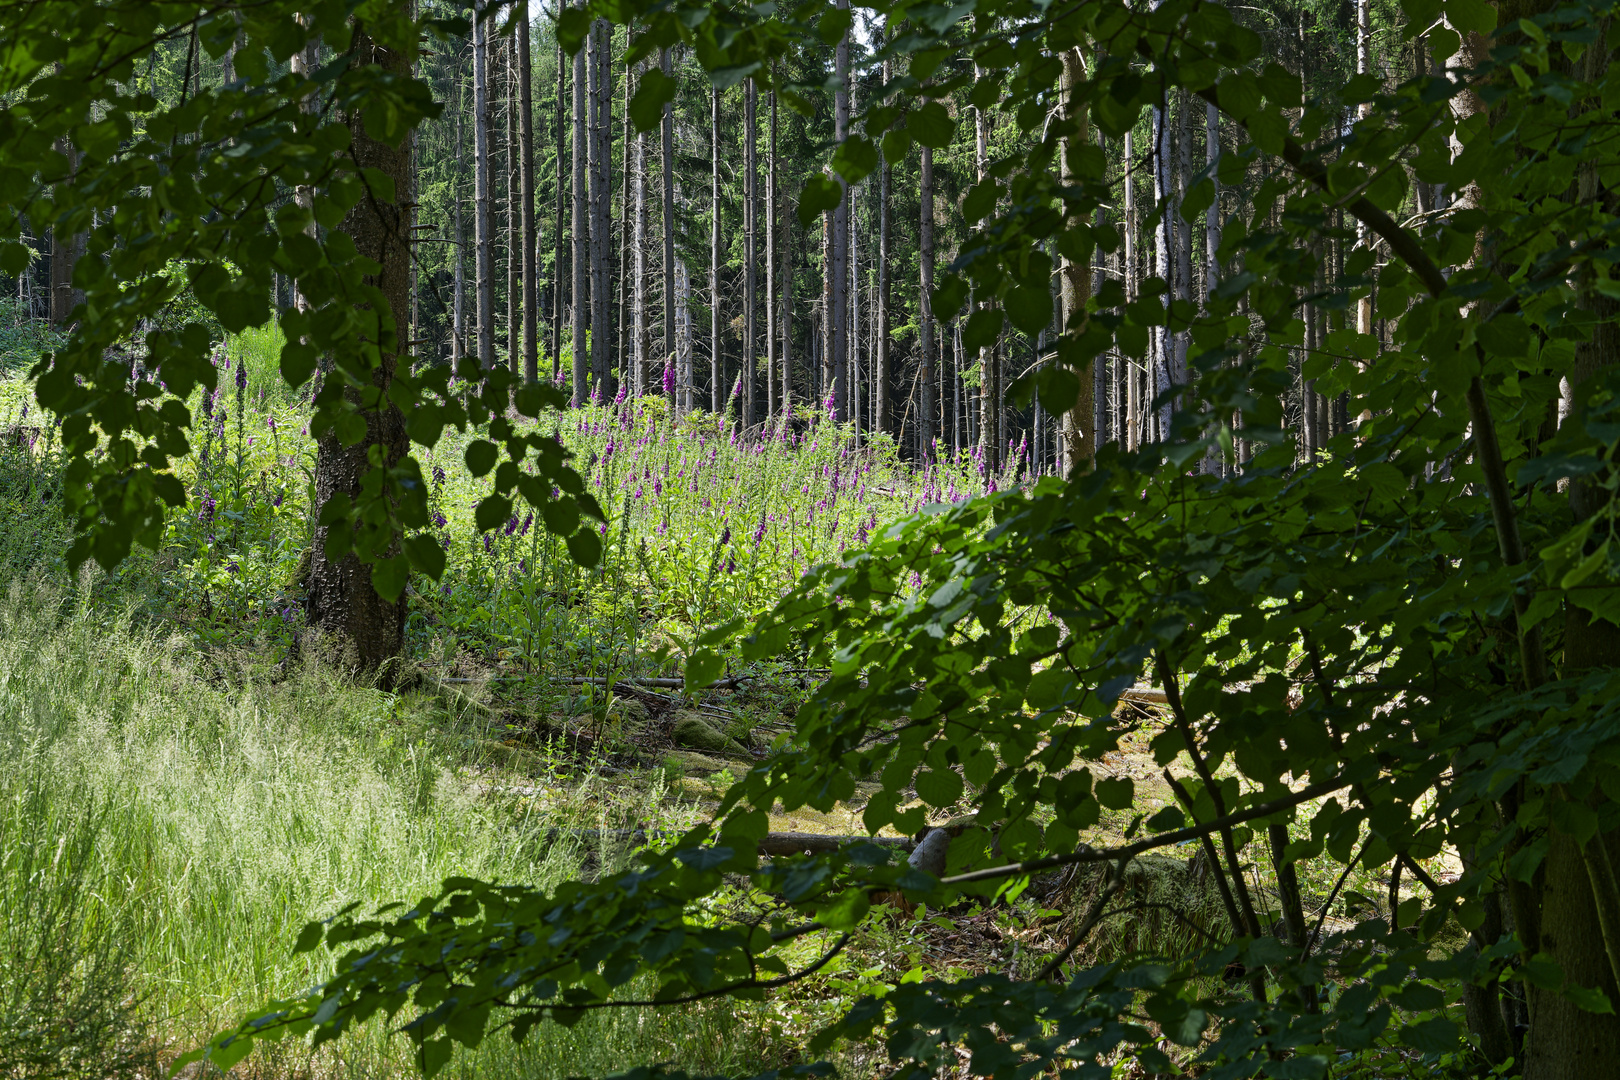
[
  {"x": 882, "y": 375},
  {"x": 514, "y": 220},
  {"x": 925, "y": 306},
  {"x": 458, "y": 331},
  {"x": 666, "y": 166},
  {"x": 598, "y": 43},
  {"x": 483, "y": 222},
  {"x": 772, "y": 254},
  {"x": 750, "y": 359},
  {"x": 644, "y": 380},
  {"x": 838, "y": 272},
  {"x": 989, "y": 389},
  {"x": 531, "y": 227},
  {"x": 581, "y": 233},
  {"x": 717, "y": 388},
  {"x": 1164, "y": 266},
  {"x": 1079, "y": 431},
  {"x": 558, "y": 250}
]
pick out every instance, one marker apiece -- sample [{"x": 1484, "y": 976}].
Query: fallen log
[{"x": 776, "y": 843}]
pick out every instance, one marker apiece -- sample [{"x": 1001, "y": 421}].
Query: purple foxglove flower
[
  {"x": 669, "y": 380},
  {"x": 725, "y": 536},
  {"x": 438, "y": 476},
  {"x": 528, "y": 520},
  {"x": 439, "y": 520},
  {"x": 241, "y": 377}
]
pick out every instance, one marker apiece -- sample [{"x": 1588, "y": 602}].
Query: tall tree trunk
[
  {"x": 65, "y": 252},
  {"x": 1079, "y": 433},
  {"x": 786, "y": 299},
  {"x": 558, "y": 250},
  {"x": 598, "y": 45},
  {"x": 1163, "y": 242},
  {"x": 578, "y": 307},
  {"x": 1133, "y": 385},
  {"x": 514, "y": 221},
  {"x": 1564, "y": 1041},
  {"x": 838, "y": 272},
  {"x": 717, "y": 390},
  {"x": 750, "y": 358},
  {"x": 989, "y": 391},
  {"x": 365, "y": 630},
  {"x": 1364, "y": 306},
  {"x": 626, "y": 317},
  {"x": 1212, "y": 237},
  {"x": 483, "y": 223},
  {"x": 458, "y": 333},
  {"x": 667, "y": 170},
  {"x": 304, "y": 63},
  {"x": 1183, "y": 232},
  {"x": 925, "y": 306},
  {"x": 772, "y": 254},
  {"x": 882, "y": 376},
  {"x": 645, "y": 380},
  {"x": 531, "y": 229}
]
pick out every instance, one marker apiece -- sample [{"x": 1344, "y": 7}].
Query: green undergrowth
[{"x": 206, "y": 818}]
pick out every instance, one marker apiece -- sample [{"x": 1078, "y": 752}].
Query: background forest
[{"x": 809, "y": 539}]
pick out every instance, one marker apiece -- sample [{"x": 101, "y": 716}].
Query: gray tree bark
[
  {"x": 667, "y": 169},
  {"x": 579, "y": 306},
  {"x": 483, "y": 222},
  {"x": 925, "y": 306},
  {"x": 717, "y": 388},
  {"x": 363, "y": 630},
  {"x": 531, "y": 227}
]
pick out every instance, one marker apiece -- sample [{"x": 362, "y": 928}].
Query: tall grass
[{"x": 221, "y": 816}]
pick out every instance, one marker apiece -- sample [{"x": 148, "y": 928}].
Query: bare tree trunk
[
  {"x": 483, "y": 223},
  {"x": 1080, "y": 436},
  {"x": 989, "y": 391},
  {"x": 304, "y": 62},
  {"x": 838, "y": 271},
  {"x": 1133, "y": 393},
  {"x": 557, "y": 248},
  {"x": 772, "y": 254},
  {"x": 1183, "y": 232},
  {"x": 514, "y": 221},
  {"x": 65, "y": 253},
  {"x": 1364, "y": 306},
  {"x": 458, "y": 334},
  {"x": 581, "y": 254},
  {"x": 628, "y": 372},
  {"x": 598, "y": 44},
  {"x": 531, "y": 228},
  {"x": 644, "y": 379},
  {"x": 882, "y": 376},
  {"x": 750, "y": 360},
  {"x": 667, "y": 168},
  {"x": 1163, "y": 241},
  {"x": 786, "y": 301},
  {"x": 717, "y": 389},
  {"x": 366, "y": 630},
  {"x": 1212, "y": 235},
  {"x": 925, "y": 304}
]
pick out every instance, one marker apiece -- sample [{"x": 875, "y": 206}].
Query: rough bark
[
  {"x": 667, "y": 170},
  {"x": 925, "y": 303},
  {"x": 1163, "y": 242},
  {"x": 772, "y": 254},
  {"x": 601, "y": 198},
  {"x": 989, "y": 388},
  {"x": 1079, "y": 433},
  {"x": 363, "y": 630},
  {"x": 581, "y": 248},
  {"x": 717, "y": 388},
  {"x": 558, "y": 251},
  {"x": 838, "y": 271},
  {"x": 458, "y": 334},
  {"x": 65, "y": 253},
  {"x": 483, "y": 220},
  {"x": 882, "y": 376},
  {"x": 750, "y": 361},
  {"x": 531, "y": 226}
]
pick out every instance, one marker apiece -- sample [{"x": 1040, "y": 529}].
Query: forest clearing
[{"x": 659, "y": 538}]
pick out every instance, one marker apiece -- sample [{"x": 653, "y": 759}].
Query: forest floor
[{"x": 221, "y": 790}]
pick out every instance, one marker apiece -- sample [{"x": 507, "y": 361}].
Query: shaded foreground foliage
[{"x": 1424, "y": 624}]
